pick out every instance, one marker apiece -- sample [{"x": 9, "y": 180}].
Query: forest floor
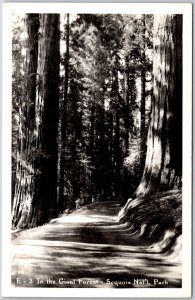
[{"x": 89, "y": 248}]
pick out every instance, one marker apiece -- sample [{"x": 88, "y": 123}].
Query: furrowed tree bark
[
  {"x": 38, "y": 191},
  {"x": 47, "y": 109},
  {"x": 24, "y": 184},
  {"x": 163, "y": 166}
]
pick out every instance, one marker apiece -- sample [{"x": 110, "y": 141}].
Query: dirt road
[{"x": 86, "y": 249}]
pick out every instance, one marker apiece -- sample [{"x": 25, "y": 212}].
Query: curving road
[{"x": 88, "y": 248}]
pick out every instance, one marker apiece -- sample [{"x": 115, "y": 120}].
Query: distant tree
[
  {"x": 143, "y": 91},
  {"x": 146, "y": 23},
  {"x": 63, "y": 129},
  {"x": 164, "y": 144}
]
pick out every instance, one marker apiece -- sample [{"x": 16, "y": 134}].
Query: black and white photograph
[{"x": 97, "y": 179}]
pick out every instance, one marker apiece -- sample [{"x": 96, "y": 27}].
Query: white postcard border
[{"x": 176, "y": 8}]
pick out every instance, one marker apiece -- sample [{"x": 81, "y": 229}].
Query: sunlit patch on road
[{"x": 90, "y": 250}]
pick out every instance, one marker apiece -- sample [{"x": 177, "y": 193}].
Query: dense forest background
[{"x": 96, "y": 110}]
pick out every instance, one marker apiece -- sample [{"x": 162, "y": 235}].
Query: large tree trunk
[
  {"x": 47, "y": 109},
  {"x": 37, "y": 189},
  {"x": 23, "y": 187},
  {"x": 163, "y": 164}
]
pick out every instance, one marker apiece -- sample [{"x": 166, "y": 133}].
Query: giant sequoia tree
[
  {"x": 24, "y": 177},
  {"x": 92, "y": 145},
  {"x": 47, "y": 105},
  {"x": 164, "y": 144},
  {"x": 35, "y": 196}
]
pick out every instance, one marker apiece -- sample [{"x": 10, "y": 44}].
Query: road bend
[{"x": 90, "y": 249}]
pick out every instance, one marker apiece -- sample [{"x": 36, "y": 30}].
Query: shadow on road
[{"x": 88, "y": 248}]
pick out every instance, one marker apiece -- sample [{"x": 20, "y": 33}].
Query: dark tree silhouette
[
  {"x": 64, "y": 119},
  {"x": 47, "y": 106}
]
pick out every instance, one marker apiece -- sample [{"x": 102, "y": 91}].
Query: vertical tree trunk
[
  {"x": 143, "y": 96},
  {"x": 163, "y": 164},
  {"x": 47, "y": 110},
  {"x": 33, "y": 27},
  {"x": 64, "y": 120},
  {"x": 23, "y": 187},
  {"x": 132, "y": 99},
  {"x": 75, "y": 130},
  {"x": 92, "y": 128},
  {"x": 126, "y": 112},
  {"x": 117, "y": 153},
  {"x": 37, "y": 173}
]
